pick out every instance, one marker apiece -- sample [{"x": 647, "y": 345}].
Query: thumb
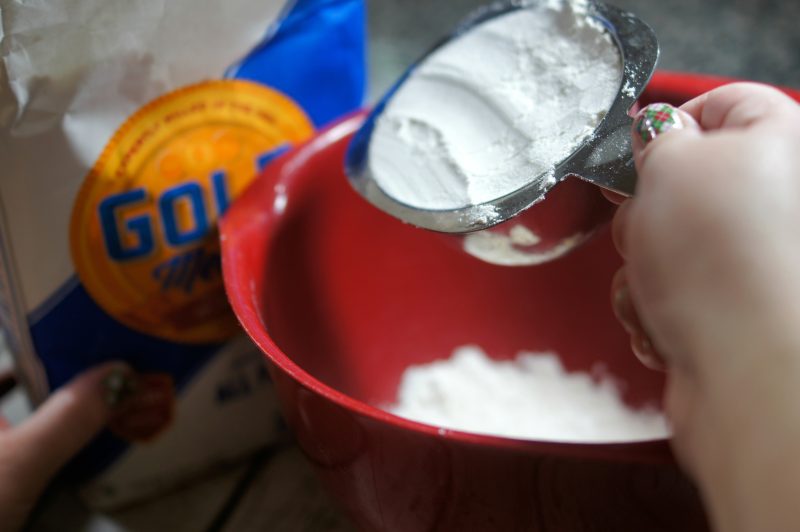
[
  {"x": 655, "y": 121},
  {"x": 66, "y": 422}
]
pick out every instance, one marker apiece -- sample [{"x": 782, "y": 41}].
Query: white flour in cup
[
  {"x": 496, "y": 108},
  {"x": 531, "y": 397}
]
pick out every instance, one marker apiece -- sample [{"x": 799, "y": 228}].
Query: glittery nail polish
[{"x": 656, "y": 119}]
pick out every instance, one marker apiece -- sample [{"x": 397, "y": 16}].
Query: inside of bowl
[{"x": 354, "y": 297}]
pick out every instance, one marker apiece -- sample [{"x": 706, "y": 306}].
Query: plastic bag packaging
[{"x": 126, "y": 129}]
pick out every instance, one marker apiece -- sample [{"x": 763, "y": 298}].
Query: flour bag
[{"x": 126, "y": 129}]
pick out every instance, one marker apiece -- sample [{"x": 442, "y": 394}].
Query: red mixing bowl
[{"x": 341, "y": 298}]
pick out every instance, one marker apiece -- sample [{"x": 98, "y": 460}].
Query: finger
[
  {"x": 626, "y": 313},
  {"x": 642, "y": 347},
  {"x": 623, "y": 305},
  {"x": 738, "y": 105},
  {"x": 67, "y": 421},
  {"x": 619, "y": 227},
  {"x": 614, "y": 197}
]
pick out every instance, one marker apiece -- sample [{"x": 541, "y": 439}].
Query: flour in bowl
[
  {"x": 531, "y": 397},
  {"x": 497, "y": 107}
]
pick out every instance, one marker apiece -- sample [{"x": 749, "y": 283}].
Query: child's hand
[
  {"x": 32, "y": 453},
  {"x": 712, "y": 248}
]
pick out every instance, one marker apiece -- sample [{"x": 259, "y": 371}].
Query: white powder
[
  {"x": 515, "y": 247},
  {"x": 532, "y": 397},
  {"x": 496, "y": 108}
]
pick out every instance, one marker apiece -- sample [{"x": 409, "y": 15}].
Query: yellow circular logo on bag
[{"x": 143, "y": 230}]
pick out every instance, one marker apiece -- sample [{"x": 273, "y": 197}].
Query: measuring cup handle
[{"x": 607, "y": 159}]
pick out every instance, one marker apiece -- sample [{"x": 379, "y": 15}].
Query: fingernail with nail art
[
  {"x": 656, "y": 119},
  {"x": 120, "y": 384}
]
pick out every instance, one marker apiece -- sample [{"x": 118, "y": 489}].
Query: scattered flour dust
[{"x": 531, "y": 397}]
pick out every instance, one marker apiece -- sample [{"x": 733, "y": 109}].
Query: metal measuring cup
[{"x": 535, "y": 230}]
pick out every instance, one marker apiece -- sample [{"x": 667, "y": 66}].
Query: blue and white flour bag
[{"x": 126, "y": 130}]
